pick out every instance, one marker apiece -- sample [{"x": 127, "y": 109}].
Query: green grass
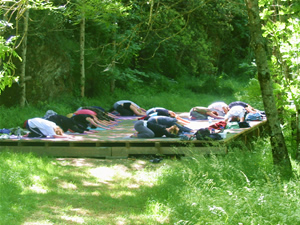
[{"x": 238, "y": 188}]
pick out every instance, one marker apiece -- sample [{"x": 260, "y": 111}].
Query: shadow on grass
[{"x": 87, "y": 191}]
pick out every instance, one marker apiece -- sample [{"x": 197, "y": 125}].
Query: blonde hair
[
  {"x": 58, "y": 131},
  {"x": 174, "y": 130}
]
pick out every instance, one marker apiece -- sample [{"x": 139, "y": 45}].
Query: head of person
[
  {"x": 58, "y": 131},
  {"x": 173, "y": 129}
]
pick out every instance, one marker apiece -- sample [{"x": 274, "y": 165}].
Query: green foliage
[
  {"x": 251, "y": 94},
  {"x": 281, "y": 29},
  {"x": 133, "y": 42},
  {"x": 221, "y": 86},
  {"x": 7, "y": 52}
]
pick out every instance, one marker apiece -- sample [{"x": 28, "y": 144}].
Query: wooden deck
[{"x": 117, "y": 143}]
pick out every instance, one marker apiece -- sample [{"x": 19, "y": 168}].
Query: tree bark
[
  {"x": 281, "y": 158},
  {"x": 23, "y": 67},
  {"x": 82, "y": 42}
]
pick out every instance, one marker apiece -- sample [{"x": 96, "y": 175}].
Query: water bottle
[
  {"x": 209, "y": 121},
  {"x": 19, "y": 133}
]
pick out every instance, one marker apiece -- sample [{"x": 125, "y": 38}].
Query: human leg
[
  {"x": 143, "y": 131},
  {"x": 197, "y": 116}
]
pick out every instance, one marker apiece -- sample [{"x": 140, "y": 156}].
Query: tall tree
[
  {"x": 23, "y": 69},
  {"x": 279, "y": 150},
  {"x": 281, "y": 29},
  {"x": 82, "y": 44},
  {"x": 13, "y": 12}
]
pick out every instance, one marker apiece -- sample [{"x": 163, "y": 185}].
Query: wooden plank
[
  {"x": 95, "y": 152},
  {"x": 117, "y": 144}
]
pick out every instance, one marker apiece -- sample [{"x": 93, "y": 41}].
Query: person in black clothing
[
  {"x": 160, "y": 112},
  {"x": 67, "y": 124},
  {"x": 147, "y": 129},
  {"x": 128, "y": 108},
  {"x": 168, "y": 122}
]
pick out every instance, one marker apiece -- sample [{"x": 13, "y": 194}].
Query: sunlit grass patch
[{"x": 238, "y": 188}]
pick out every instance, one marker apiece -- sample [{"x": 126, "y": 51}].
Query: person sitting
[
  {"x": 202, "y": 113},
  {"x": 220, "y": 107},
  {"x": 43, "y": 128},
  {"x": 236, "y": 112},
  {"x": 146, "y": 129},
  {"x": 128, "y": 108}
]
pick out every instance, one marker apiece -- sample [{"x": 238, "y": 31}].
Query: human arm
[
  {"x": 214, "y": 114},
  {"x": 93, "y": 122}
]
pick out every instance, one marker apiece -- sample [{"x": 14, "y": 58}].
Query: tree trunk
[
  {"x": 296, "y": 136},
  {"x": 23, "y": 67},
  {"x": 279, "y": 150},
  {"x": 113, "y": 64},
  {"x": 82, "y": 42}
]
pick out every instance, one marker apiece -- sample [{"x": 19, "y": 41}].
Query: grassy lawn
[
  {"x": 238, "y": 188},
  {"x": 80, "y": 191}
]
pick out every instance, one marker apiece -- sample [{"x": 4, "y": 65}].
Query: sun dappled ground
[{"x": 95, "y": 191}]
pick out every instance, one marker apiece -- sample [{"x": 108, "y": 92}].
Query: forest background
[
  {"x": 72, "y": 52},
  {"x": 61, "y": 55}
]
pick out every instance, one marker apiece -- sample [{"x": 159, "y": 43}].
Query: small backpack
[
  {"x": 254, "y": 116},
  {"x": 204, "y": 134}
]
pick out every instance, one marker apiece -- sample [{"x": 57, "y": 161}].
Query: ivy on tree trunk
[{"x": 279, "y": 150}]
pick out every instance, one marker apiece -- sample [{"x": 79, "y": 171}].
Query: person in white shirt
[
  {"x": 42, "y": 128},
  {"x": 235, "y": 112},
  {"x": 220, "y": 107}
]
